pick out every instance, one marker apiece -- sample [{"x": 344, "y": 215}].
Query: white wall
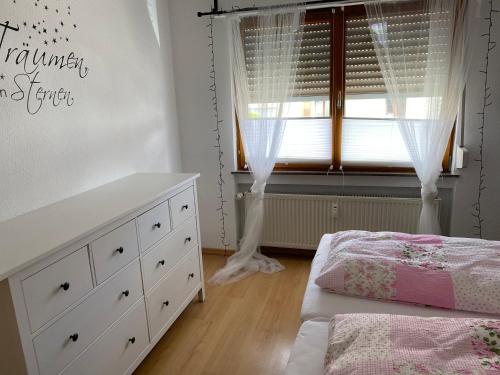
[
  {"x": 123, "y": 118},
  {"x": 191, "y": 65},
  {"x": 467, "y": 185},
  {"x": 196, "y": 121}
]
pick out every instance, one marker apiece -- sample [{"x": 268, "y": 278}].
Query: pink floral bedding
[
  {"x": 369, "y": 344},
  {"x": 372, "y": 344},
  {"x": 447, "y": 272}
]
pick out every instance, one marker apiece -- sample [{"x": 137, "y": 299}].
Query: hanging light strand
[
  {"x": 221, "y": 209},
  {"x": 486, "y": 102}
]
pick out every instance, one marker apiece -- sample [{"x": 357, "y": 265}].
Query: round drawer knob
[
  {"x": 188, "y": 239},
  {"x": 64, "y": 286},
  {"x": 161, "y": 262},
  {"x": 191, "y": 275},
  {"x": 126, "y": 293},
  {"x": 185, "y": 207},
  {"x": 131, "y": 340},
  {"x": 166, "y": 303},
  {"x": 74, "y": 337},
  {"x": 157, "y": 225},
  {"x": 120, "y": 250}
]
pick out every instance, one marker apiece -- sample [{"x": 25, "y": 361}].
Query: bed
[
  {"x": 308, "y": 352},
  {"x": 396, "y": 344},
  {"x": 318, "y": 303}
]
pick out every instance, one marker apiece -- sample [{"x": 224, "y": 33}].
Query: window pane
[
  {"x": 312, "y": 82},
  {"x": 307, "y": 141},
  {"x": 308, "y": 135},
  {"x": 370, "y": 135},
  {"x": 301, "y": 107},
  {"x": 373, "y": 142},
  {"x": 368, "y": 106},
  {"x": 309, "y": 107}
]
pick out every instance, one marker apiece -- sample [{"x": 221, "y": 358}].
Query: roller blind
[
  {"x": 308, "y": 135},
  {"x": 408, "y": 40},
  {"x": 370, "y": 136},
  {"x": 313, "y": 74}
]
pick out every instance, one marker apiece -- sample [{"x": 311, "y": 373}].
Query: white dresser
[{"x": 88, "y": 285}]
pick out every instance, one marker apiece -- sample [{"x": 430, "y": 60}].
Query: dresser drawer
[
  {"x": 118, "y": 349},
  {"x": 192, "y": 270},
  {"x": 153, "y": 225},
  {"x": 59, "y": 344},
  {"x": 182, "y": 207},
  {"x": 114, "y": 250},
  {"x": 166, "y": 297},
  {"x": 54, "y": 288},
  {"x": 168, "y": 252}
]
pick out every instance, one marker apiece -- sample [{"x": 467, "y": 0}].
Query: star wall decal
[{"x": 50, "y": 30}]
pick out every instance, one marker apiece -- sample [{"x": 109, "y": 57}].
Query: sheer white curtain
[
  {"x": 260, "y": 95},
  {"x": 153, "y": 16},
  {"x": 437, "y": 52}
]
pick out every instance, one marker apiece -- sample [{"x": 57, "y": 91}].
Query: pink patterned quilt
[
  {"x": 447, "y": 272},
  {"x": 369, "y": 344}
]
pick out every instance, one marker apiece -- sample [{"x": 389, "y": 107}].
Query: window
[{"x": 341, "y": 114}]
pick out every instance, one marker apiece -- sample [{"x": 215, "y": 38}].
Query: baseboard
[
  {"x": 213, "y": 251},
  {"x": 268, "y": 250}
]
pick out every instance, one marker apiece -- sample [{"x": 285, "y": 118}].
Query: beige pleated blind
[
  {"x": 313, "y": 73},
  {"x": 409, "y": 38}
]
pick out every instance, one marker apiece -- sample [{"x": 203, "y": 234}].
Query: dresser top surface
[{"x": 37, "y": 234}]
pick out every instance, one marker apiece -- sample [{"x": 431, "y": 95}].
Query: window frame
[{"x": 336, "y": 18}]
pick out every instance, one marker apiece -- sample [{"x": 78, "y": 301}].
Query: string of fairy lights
[
  {"x": 486, "y": 102},
  {"x": 221, "y": 207}
]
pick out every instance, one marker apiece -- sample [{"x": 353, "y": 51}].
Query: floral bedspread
[
  {"x": 368, "y": 344},
  {"x": 447, "y": 272}
]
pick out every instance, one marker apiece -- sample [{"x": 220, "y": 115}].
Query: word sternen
[{"x": 36, "y": 96}]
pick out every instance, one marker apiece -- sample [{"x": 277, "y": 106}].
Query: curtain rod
[{"x": 315, "y": 4}]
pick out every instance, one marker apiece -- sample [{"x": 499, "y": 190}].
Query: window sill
[{"x": 346, "y": 173}]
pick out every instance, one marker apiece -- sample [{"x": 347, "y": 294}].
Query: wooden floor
[{"x": 243, "y": 328}]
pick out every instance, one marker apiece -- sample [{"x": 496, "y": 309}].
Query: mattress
[
  {"x": 319, "y": 303},
  {"x": 309, "y": 349}
]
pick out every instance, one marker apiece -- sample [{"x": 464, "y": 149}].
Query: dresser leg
[{"x": 201, "y": 295}]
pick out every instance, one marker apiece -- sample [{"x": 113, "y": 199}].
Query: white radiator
[{"x": 299, "y": 221}]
